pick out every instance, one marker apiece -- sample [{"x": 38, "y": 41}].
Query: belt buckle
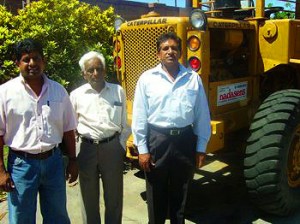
[
  {"x": 96, "y": 142},
  {"x": 174, "y": 132}
]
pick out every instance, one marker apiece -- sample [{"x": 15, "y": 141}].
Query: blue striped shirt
[{"x": 164, "y": 103}]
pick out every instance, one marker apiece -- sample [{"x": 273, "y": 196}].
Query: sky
[{"x": 181, "y": 3}]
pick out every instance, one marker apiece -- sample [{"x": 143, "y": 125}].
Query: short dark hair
[
  {"x": 28, "y": 45},
  {"x": 166, "y": 36}
]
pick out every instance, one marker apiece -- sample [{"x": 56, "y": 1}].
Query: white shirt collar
[
  {"x": 182, "y": 71},
  {"x": 88, "y": 87}
]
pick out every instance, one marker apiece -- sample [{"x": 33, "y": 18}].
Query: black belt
[
  {"x": 39, "y": 156},
  {"x": 170, "y": 131},
  {"x": 97, "y": 142}
]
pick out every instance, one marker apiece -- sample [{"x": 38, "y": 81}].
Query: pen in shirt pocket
[{"x": 116, "y": 103}]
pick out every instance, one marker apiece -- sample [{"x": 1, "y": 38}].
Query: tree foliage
[
  {"x": 67, "y": 29},
  {"x": 285, "y": 14},
  {"x": 7, "y": 67}
]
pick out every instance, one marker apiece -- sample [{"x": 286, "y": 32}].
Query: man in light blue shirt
[{"x": 171, "y": 128}]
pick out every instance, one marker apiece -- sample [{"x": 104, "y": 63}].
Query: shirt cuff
[
  {"x": 143, "y": 149},
  {"x": 201, "y": 145}
]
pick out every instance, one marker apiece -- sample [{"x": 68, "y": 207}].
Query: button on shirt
[
  {"x": 33, "y": 123},
  {"x": 163, "y": 103},
  {"x": 101, "y": 115}
]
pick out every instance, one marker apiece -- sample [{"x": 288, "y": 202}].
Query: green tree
[
  {"x": 67, "y": 29},
  {"x": 7, "y": 67},
  {"x": 288, "y": 13}
]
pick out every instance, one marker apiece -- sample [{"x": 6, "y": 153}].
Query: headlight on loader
[
  {"x": 198, "y": 19},
  {"x": 118, "y": 22}
]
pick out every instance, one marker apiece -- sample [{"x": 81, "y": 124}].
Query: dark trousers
[
  {"x": 103, "y": 161},
  {"x": 167, "y": 183}
]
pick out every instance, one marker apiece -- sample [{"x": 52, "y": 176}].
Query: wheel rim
[{"x": 294, "y": 160}]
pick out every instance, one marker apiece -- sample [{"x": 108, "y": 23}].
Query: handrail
[{"x": 290, "y": 1}]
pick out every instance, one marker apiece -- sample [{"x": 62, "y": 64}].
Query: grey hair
[{"x": 90, "y": 55}]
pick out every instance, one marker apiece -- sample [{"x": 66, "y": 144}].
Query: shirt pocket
[
  {"x": 52, "y": 116},
  {"x": 190, "y": 96},
  {"x": 116, "y": 114}
]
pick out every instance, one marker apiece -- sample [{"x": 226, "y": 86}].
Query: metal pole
[
  {"x": 260, "y": 9},
  {"x": 188, "y": 3}
]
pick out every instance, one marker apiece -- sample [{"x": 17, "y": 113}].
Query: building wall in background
[
  {"x": 14, "y": 5},
  {"x": 133, "y": 10},
  {"x": 126, "y": 9}
]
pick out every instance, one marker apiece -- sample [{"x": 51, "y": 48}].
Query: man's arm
[
  {"x": 125, "y": 129},
  {"x": 6, "y": 183},
  {"x": 200, "y": 159},
  {"x": 202, "y": 126},
  {"x": 2, "y": 167},
  {"x": 140, "y": 126},
  {"x": 69, "y": 143}
]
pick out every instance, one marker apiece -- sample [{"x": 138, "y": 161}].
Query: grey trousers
[{"x": 103, "y": 161}]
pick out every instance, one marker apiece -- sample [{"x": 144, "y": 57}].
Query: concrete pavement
[
  {"x": 217, "y": 195},
  {"x": 134, "y": 209}
]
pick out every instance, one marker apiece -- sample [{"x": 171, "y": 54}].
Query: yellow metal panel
[
  {"x": 129, "y": 104},
  {"x": 221, "y": 23},
  {"x": 274, "y": 43},
  {"x": 131, "y": 150},
  {"x": 140, "y": 49},
  {"x": 236, "y": 119},
  {"x": 296, "y": 61},
  {"x": 216, "y": 141},
  {"x": 203, "y": 53},
  {"x": 213, "y": 95},
  {"x": 230, "y": 113}
]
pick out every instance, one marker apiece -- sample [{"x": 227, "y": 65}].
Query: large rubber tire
[{"x": 272, "y": 158}]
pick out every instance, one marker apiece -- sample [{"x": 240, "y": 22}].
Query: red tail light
[
  {"x": 195, "y": 63},
  {"x": 118, "y": 62}
]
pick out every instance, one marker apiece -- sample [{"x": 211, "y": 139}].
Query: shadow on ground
[{"x": 217, "y": 195}]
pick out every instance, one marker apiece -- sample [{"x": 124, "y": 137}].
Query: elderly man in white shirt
[
  {"x": 35, "y": 116},
  {"x": 171, "y": 128},
  {"x": 102, "y": 132}
]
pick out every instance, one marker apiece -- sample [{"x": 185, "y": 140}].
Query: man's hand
[
  {"x": 72, "y": 168},
  {"x": 6, "y": 183},
  {"x": 145, "y": 162},
  {"x": 200, "y": 159},
  {"x": 72, "y": 172}
]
